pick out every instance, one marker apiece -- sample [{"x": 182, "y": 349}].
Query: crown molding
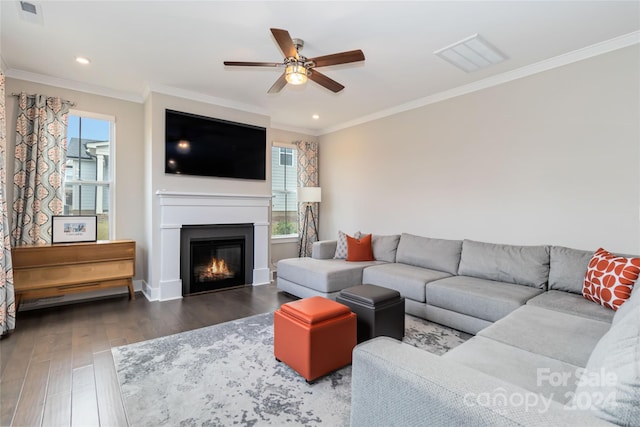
[
  {"x": 73, "y": 85},
  {"x": 287, "y": 128},
  {"x": 539, "y": 67},
  {"x": 206, "y": 99}
]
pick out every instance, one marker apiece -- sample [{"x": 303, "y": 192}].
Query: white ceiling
[{"x": 178, "y": 47}]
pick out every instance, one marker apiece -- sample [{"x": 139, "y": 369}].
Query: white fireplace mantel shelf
[
  {"x": 190, "y": 208},
  {"x": 165, "y": 194}
]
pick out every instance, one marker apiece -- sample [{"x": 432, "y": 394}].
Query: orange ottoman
[{"x": 314, "y": 336}]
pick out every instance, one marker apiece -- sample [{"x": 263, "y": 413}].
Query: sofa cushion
[
  {"x": 610, "y": 278},
  {"x": 571, "y": 303},
  {"x": 435, "y": 254},
  {"x": 568, "y": 268},
  {"x": 526, "y": 369},
  {"x": 550, "y": 333},
  {"x": 323, "y": 275},
  {"x": 522, "y": 265},
  {"x": 406, "y": 279},
  {"x": 485, "y": 299},
  {"x": 633, "y": 303},
  {"x": 385, "y": 247},
  {"x": 610, "y": 386}
]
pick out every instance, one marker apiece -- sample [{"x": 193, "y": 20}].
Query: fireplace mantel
[{"x": 189, "y": 208}]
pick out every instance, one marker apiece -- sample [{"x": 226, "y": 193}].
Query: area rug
[{"x": 226, "y": 375}]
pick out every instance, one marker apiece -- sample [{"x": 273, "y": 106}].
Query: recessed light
[
  {"x": 82, "y": 60},
  {"x": 315, "y": 117}
]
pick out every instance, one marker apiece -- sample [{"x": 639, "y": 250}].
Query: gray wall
[{"x": 552, "y": 158}]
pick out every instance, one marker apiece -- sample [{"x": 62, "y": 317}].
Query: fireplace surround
[{"x": 177, "y": 209}]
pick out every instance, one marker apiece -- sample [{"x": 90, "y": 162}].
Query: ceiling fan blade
[
  {"x": 338, "y": 58},
  {"x": 285, "y": 42},
  {"x": 325, "y": 81},
  {"x": 278, "y": 85},
  {"x": 252, "y": 64}
]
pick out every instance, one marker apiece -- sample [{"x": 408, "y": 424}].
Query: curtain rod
[{"x": 72, "y": 104}]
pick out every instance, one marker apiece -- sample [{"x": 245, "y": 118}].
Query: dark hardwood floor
[{"x": 57, "y": 368}]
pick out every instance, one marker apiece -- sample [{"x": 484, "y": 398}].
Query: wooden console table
[{"x": 60, "y": 269}]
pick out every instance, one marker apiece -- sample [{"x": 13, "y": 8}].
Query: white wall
[
  {"x": 155, "y": 106},
  {"x": 129, "y": 213},
  {"x": 553, "y": 158}
]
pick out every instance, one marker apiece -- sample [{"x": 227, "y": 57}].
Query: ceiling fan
[{"x": 298, "y": 68}]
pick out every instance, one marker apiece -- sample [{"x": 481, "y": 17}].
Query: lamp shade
[{"x": 309, "y": 194}]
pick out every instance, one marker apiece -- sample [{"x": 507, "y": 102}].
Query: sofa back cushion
[
  {"x": 568, "y": 268},
  {"x": 435, "y": 254},
  {"x": 610, "y": 385},
  {"x": 522, "y": 265},
  {"x": 631, "y": 304},
  {"x": 385, "y": 247}
]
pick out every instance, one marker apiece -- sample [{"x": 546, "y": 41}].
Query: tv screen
[{"x": 204, "y": 146}]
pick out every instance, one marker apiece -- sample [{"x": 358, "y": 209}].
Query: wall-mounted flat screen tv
[{"x": 204, "y": 146}]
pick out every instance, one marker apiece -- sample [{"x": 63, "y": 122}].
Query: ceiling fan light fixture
[{"x": 295, "y": 73}]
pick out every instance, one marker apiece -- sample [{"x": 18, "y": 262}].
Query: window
[
  {"x": 88, "y": 178},
  {"x": 284, "y": 183},
  {"x": 286, "y": 156}
]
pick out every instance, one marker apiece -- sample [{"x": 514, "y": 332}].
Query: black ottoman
[{"x": 379, "y": 311}]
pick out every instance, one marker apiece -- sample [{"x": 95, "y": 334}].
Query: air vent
[
  {"x": 28, "y": 7},
  {"x": 31, "y": 12},
  {"x": 471, "y": 54}
]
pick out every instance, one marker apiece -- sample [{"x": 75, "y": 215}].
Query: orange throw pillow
[
  {"x": 610, "y": 278},
  {"x": 359, "y": 249}
]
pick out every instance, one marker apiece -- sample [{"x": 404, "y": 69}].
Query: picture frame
[{"x": 74, "y": 228}]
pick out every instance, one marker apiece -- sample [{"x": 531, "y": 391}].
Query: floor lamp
[{"x": 308, "y": 196}]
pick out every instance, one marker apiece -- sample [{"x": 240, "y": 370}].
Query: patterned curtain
[
  {"x": 308, "y": 177},
  {"x": 41, "y": 145},
  {"x": 7, "y": 302}
]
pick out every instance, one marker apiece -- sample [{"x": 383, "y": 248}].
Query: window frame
[
  {"x": 283, "y": 238},
  {"x": 111, "y": 183}
]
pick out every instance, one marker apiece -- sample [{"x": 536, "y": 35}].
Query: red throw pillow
[
  {"x": 610, "y": 278},
  {"x": 359, "y": 249}
]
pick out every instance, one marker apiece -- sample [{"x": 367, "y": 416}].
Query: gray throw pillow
[
  {"x": 341, "y": 246},
  {"x": 610, "y": 385},
  {"x": 385, "y": 247}
]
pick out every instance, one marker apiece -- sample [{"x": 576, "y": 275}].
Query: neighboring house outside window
[
  {"x": 284, "y": 182},
  {"x": 88, "y": 180}
]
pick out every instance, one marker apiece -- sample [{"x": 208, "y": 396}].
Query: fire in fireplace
[
  {"x": 218, "y": 270},
  {"x": 216, "y": 257},
  {"x": 216, "y": 264}
]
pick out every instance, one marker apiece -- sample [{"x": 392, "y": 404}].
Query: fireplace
[
  {"x": 178, "y": 209},
  {"x": 215, "y": 257}
]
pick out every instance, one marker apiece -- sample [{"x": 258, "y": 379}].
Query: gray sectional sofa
[{"x": 535, "y": 335}]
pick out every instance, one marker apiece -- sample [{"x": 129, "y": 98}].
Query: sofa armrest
[
  {"x": 395, "y": 384},
  {"x": 324, "y": 249}
]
